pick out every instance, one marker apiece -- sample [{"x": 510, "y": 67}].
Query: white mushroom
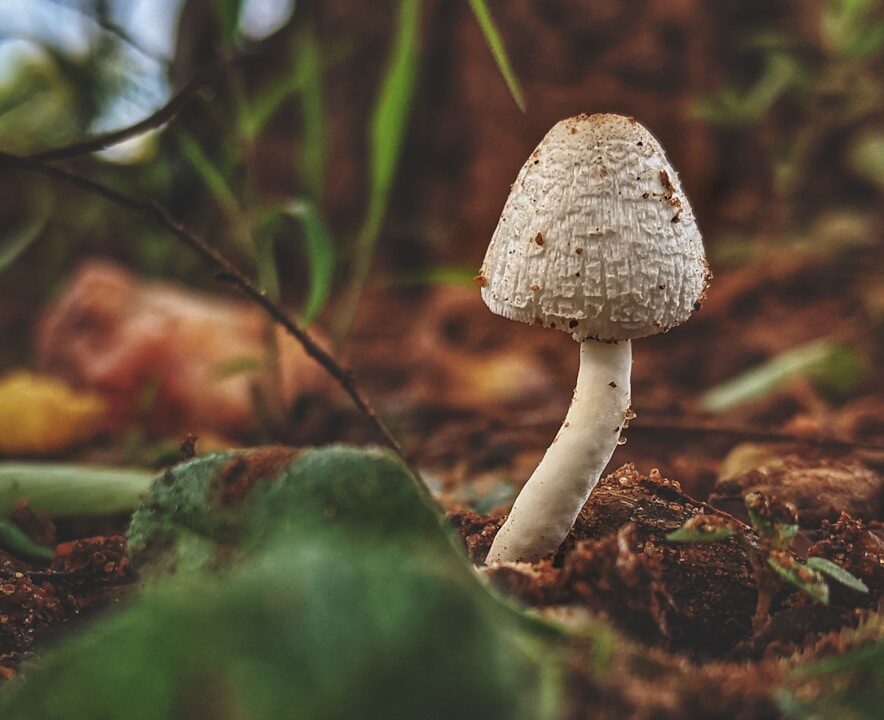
[{"x": 596, "y": 239}]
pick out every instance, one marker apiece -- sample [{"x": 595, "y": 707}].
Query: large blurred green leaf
[{"x": 350, "y": 601}]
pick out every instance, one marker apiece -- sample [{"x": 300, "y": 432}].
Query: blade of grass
[
  {"x": 227, "y": 201},
  {"x": 71, "y": 490},
  {"x": 319, "y": 248},
  {"x": 209, "y": 174},
  {"x": 386, "y": 138},
  {"x": 765, "y": 378},
  {"x": 309, "y": 65},
  {"x": 267, "y": 103},
  {"x": 495, "y": 44}
]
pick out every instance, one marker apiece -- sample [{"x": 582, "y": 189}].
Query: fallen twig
[{"x": 224, "y": 271}]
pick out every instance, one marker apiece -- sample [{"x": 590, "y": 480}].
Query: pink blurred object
[{"x": 181, "y": 361}]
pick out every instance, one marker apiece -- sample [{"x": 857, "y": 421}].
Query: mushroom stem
[{"x": 552, "y": 498}]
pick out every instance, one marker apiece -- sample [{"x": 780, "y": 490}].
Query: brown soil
[
  {"x": 85, "y": 575},
  {"x": 686, "y": 607}
]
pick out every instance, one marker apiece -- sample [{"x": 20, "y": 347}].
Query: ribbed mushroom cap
[{"x": 597, "y": 237}]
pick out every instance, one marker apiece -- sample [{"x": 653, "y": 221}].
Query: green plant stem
[{"x": 71, "y": 490}]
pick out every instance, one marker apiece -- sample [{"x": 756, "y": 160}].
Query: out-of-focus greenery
[
  {"x": 845, "y": 687},
  {"x": 53, "y": 99},
  {"x": 825, "y": 87},
  {"x": 354, "y": 603},
  {"x": 835, "y": 369}
]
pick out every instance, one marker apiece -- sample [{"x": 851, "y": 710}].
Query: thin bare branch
[
  {"x": 99, "y": 142},
  {"x": 225, "y": 271}
]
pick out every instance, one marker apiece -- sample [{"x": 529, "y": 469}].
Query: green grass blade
[
  {"x": 313, "y": 156},
  {"x": 805, "y": 360},
  {"x": 71, "y": 490},
  {"x": 319, "y": 248},
  {"x": 495, "y": 44},
  {"x": 267, "y": 103},
  {"x": 386, "y": 138},
  {"x": 320, "y": 256},
  {"x": 209, "y": 174}
]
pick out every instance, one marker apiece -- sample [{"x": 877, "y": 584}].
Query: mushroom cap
[{"x": 597, "y": 237}]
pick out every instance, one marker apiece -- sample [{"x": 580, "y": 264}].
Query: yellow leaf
[{"x": 41, "y": 414}]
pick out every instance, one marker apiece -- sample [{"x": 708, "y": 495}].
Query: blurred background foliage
[{"x": 340, "y": 131}]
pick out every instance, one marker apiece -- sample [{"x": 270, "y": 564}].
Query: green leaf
[
  {"x": 807, "y": 580},
  {"x": 780, "y": 534},
  {"x": 14, "y": 541},
  {"x": 760, "y": 381},
  {"x": 396, "y": 625},
  {"x": 71, "y": 490},
  {"x": 495, "y": 44},
  {"x": 352, "y": 581},
  {"x": 389, "y": 124},
  {"x": 243, "y": 498},
  {"x": 836, "y": 572}
]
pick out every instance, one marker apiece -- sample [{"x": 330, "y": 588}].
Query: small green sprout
[{"x": 775, "y": 525}]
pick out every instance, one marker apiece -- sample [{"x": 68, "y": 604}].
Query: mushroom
[{"x": 596, "y": 239}]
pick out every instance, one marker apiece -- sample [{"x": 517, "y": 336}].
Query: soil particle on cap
[
  {"x": 240, "y": 474},
  {"x": 480, "y": 280},
  {"x": 612, "y": 384},
  {"x": 539, "y": 239},
  {"x": 668, "y": 189}
]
